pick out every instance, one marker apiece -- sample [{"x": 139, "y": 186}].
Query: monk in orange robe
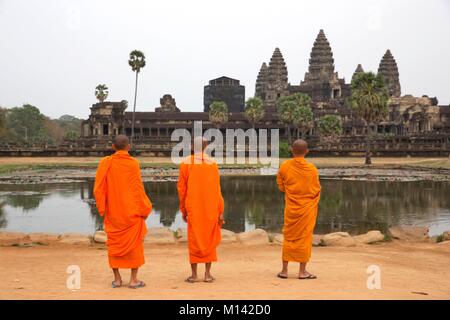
[
  {"x": 201, "y": 205},
  {"x": 299, "y": 180},
  {"x": 121, "y": 199}
]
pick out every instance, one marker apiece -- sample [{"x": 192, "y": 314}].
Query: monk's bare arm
[
  {"x": 221, "y": 201},
  {"x": 280, "y": 181},
  {"x": 317, "y": 180},
  {"x": 100, "y": 187},
  {"x": 145, "y": 203},
  {"x": 182, "y": 188}
]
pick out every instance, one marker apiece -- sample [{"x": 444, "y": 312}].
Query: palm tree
[
  {"x": 254, "y": 110},
  {"x": 305, "y": 121},
  {"x": 136, "y": 62},
  {"x": 218, "y": 113},
  {"x": 330, "y": 127},
  {"x": 295, "y": 110},
  {"x": 369, "y": 101},
  {"x": 288, "y": 113},
  {"x": 101, "y": 92}
]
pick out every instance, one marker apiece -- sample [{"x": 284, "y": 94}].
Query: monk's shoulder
[
  {"x": 286, "y": 164},
  {"x": 131, "y": 162},
  {"x": 312, "y": 167},
  {"x": 135, "y": 162},
  {"x": 104, "y": 160},
  {"x": 187, "y": 160},
  {"x": 211, "y": 161}
]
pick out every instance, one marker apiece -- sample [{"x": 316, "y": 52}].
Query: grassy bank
[{"x": 14, "y": 164}]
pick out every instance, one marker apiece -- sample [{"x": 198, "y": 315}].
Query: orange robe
[
  {"x": 201, "y": 199},
  {"x": 121, "y": 199},
  {"x": 299, "y": 180}
]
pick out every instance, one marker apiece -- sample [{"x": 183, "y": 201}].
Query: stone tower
[
  {"x": 277, "y": 80},
  {"x": 321, "y": 62},
  {"x": 224, "y": 89},
  {"x": 388, "y": 69},
  {"x": 321, "y": 83},
  {"x": 359, "y": 69},
  {"x": 261, "y": 82}
]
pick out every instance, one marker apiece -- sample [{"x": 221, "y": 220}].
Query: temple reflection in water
[{"x": 250, "y": 202}]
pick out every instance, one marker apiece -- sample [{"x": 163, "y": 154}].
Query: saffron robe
[
  {"x": 299, "y": 180},
  {"x": 121, "y": 199},
  {"x": 201, "y": 199}
]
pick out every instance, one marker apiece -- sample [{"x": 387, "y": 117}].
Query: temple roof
[
  {"x": 186, "y": 116},
  {"x": 224, "y": 80}
]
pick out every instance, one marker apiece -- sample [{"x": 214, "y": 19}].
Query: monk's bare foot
[
  {"x": 282, "y": 275},
  {"x": 116, "y": 283},
  {"x": 136, "y": 284},
  {"x": 209, "y": 278},
  {"x": 306, "y": 275}
]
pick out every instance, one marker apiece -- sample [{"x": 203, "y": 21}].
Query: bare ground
[
  {"x": 408, "y": 271},
  {"x": 53, "y": 169},
  {"x": 320, "y": 162}
]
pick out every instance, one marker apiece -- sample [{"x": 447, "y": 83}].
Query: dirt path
[{"x": 408, "y": 271}]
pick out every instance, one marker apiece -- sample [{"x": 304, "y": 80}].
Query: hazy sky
[{"x": 53, "y": 53}]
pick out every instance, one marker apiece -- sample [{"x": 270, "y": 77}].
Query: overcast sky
[{"x": 53, "y": 53}]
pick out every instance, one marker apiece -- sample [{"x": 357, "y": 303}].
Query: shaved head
[
  {"x": 200, "y": 141},
  {"x": 299, "y": 147},
  {"x": 121, "y": 142}
]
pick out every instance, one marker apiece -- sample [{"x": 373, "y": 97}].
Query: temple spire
[
  {"x": 277, "y": 70},
  {"x": 261, "y": 81},
  {"x": 359, "y": 69},
  {"x": 321, "y": 62},
  {"x": 389, "y": 71},
  {"x": 277, "y": 77}
]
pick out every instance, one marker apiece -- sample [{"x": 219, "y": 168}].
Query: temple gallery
[{"x": 415, "y": 125}]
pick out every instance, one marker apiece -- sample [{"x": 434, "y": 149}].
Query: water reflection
[
  {"x": 3, "y": 221},
  {"x": 250, "y": 202}
]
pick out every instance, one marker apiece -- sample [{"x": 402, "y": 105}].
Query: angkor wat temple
[{"x": 415, "y": 123}]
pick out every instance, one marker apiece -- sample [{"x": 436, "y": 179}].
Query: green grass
[
  {"x": 8, "y": 168},
  {"x": 11, "y": 168},
  {"x": 436, "y": 164}
]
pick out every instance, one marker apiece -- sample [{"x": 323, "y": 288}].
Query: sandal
[
  {"x": 191, "y": 280},
  {"x": 282, "y": 276},
  {"x": 140, "y": 284},
  {"x": 209, "y": 280},
  {"x": 115, "y": 285},
  {"x": 308, "y": 277}
]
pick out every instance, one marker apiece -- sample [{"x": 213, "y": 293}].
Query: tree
[
  {"x": 305, "y": 120},
  {"x": 3, "y": 123},
  {"x": 28, "y": 124},
  {"x": 101, "y": 92},
  {"x": 71, "y": 135},
  {"x": 136, "y": 62},
  {"x": 218, "y": 113},
  {"x": 254, "y": 110},
  {"x": 369, "y": 101},
  {"x": 295, "y": 111},
  {"x": 329, "y": 127}
]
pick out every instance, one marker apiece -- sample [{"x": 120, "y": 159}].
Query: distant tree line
[{"x": 26, "y": 125}]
